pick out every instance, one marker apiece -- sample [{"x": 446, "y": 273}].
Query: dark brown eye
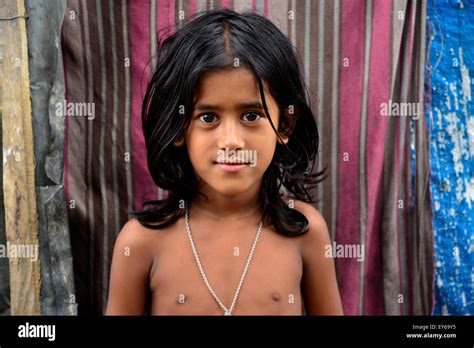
[
  {"x": 207, "y": 118},
  {"x": 252, "y": 116}
]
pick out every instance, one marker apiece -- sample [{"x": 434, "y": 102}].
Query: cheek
[
  {"x": 196, "y": 146},
  {"x": 265, "y": 150}
]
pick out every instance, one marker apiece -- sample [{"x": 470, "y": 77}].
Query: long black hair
[{"x": 217, "y": 40}]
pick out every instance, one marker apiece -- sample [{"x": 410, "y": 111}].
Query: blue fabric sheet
[{"x": 450, "y": 115}]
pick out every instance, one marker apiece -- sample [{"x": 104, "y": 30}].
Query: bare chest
[{"x": 271, "y": 285}]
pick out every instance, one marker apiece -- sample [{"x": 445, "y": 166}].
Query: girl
[{"x": 231, "y": 137}]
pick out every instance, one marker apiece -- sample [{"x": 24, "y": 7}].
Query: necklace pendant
[{"x": 227, "y": 313}]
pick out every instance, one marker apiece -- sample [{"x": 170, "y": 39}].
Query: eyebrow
[{"x": 251, "y": 105}]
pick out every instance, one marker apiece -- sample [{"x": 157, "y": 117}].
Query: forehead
[{"x": 235, "y": 84}]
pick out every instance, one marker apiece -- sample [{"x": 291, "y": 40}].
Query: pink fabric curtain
[{"x": 356, "y": 55}]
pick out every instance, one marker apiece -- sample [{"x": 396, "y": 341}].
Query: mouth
[{"x": 231, "y": 166}]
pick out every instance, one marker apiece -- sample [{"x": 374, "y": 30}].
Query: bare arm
[
  {"x": 129, "y": 276},
  {"x": 319, "y": 283}
]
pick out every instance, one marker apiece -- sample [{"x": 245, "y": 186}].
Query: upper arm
[
  {"x": 129, "y": 275},
  {"x": 319, "y": 283}
]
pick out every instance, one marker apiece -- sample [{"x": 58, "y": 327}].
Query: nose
[{"x": 231, "y": 136}]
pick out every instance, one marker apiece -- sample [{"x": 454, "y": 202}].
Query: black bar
[{"x": 238, "y": 329}]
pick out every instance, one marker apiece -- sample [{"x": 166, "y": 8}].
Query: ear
[
  {"x": 179, "y": 142},
  {"x": 287, "y": 125},
  {"x": 284, "y": 137}
]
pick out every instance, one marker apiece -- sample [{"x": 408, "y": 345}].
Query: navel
[{"x": 276, "y": 296}]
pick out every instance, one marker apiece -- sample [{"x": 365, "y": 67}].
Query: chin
[
  {"x": 229, "y": 191},
  {"x": 231, "y": 188}
]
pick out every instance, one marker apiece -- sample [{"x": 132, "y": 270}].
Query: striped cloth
[{"x": 355, "y": 54}]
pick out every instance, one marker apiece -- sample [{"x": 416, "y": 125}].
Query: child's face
[{"x": 225, "y": 130}]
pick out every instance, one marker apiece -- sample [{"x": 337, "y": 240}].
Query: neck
[{"x": 218, "y": 206}]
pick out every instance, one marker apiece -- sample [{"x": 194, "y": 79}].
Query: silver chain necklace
[{"x": 198, "y": 261}]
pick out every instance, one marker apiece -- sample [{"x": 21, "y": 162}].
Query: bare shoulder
[
  {"x": 316, "y": 222},
  {"x": 315, "y": 219},
  {"x": 129, "y": 276},
  {"x": 133, "y": 232},
  {"x": 317, "y": 235},
  {"x": 319, "y": 282},
  {"x": 135, "y": 237}
]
